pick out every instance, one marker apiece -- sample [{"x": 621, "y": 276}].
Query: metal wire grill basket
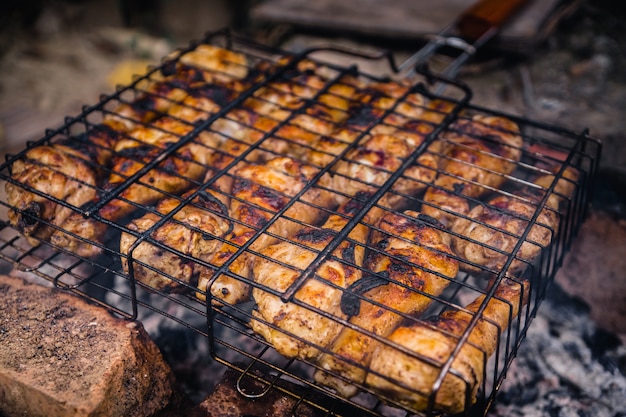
[{"x": 188, "y": 154}]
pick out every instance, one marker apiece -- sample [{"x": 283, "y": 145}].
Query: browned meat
[
  {"x": 478, "y": 155},
  {"x": 63, "y": 171},
  {"x": 409, "y": 378},
  {"x": 259, "y": 191},
  {"x": 205, "y": 66},
  {"x": 489, "y": 235},
  {"x": 172, "y": 176},
  {"x": 301, "y": 331},
  {"x": 382, "y": 152},
  {"x": 195, "y": 231},
  {"x": 70, "y": 170},
  {"x": 276, "y": 104},
  {"x": 413, "y": 260},
  {"x": 240, "y": 127}
]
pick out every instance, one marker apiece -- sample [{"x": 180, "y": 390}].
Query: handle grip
[{"x": 485, "y": 15}]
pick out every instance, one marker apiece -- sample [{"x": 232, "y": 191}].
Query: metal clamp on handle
[
  {"x": 453, "y": 42},
  {"x": 444, "y": 39}
]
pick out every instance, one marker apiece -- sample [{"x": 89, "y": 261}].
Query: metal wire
[{"x": 111, "y": 279}]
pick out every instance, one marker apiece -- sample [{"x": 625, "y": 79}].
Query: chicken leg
[
  {"x": 413, "y": 256},
  {"x": 294, "y": 329},
  {"x": 409, "y": 377}
]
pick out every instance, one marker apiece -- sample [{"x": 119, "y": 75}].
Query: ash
[{"x": 567, "y": 366}]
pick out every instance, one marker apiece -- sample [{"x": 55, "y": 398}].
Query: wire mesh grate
[{"x": 351, "y": 233}]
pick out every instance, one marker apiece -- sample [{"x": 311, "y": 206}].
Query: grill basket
[{"x": 460, "y": 312}]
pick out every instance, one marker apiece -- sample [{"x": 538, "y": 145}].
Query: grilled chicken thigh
[
  {"x": 174, "y": 175},
  {"x": 411, "y": 257},
  {"x": 380, "y": 154},
  {"x": 300, "y": 330},
  {"x": 64, "y": 171},
  {"x": 258, "y": 192},
  {"x": 70, "y": 170},
  {"x": 409, "y": 378},
  {"x": 194, "y": 231},
  {"x": 491, "y": 232},
  {"x": 205, "y": 66},
  {"x": 478, "y": 155}
]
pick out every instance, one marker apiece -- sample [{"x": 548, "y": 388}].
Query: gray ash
[{"x": 567, "y": 366}]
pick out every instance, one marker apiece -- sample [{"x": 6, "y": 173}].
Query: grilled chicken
[
  {"x": 490, "y": 233},
  {"x": 194, "y": 232},
  {"x": 380, "y": 154},
  {"x": 293, "y": 328},
  {"x": 296, "y": 109},
  {"x": 243, "y": 126},
  {"x": 409, "y": 378},
  {"x": 411, "y": 261},
  {"x": 65, "y": 171},
  {"x": 259, "y": 192},
  {"x": 69, "y": 170},
  {"x": 366, "y": 111},
  {"x": 205, "y": 66},
  {"x": 172, "y": 176},
  {"x": 322, "y": 120},
  {"x": 478, "y": 155}
]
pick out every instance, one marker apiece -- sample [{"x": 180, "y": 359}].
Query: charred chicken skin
[
  {"x": 409, "y": 378},
  {"x": 259, "y": 192},
  {"x": 194, "y": 232},
  {"x": 240, "y": 128},
  {"x": 70, "y": 170},
  {"x": 412, "y": 257},
  {"x": 383, "y": 152},
  {"x": 172, "y": 176},
  {"x": 478, "y": 154},
  {"x": 490, "y": 233},
  {"x": 64, "y": 171},
  {"x": 293, "y": 328}
]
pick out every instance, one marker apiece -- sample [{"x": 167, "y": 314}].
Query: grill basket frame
[{"x": 232, "y": 343}]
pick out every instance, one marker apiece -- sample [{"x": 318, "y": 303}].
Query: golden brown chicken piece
[
  {"x": 478, "y": 155},
  {"x": 259, "y": 191},
  {"x": 366, "y": 108},
  {"x": 301, "y": 331},
  {"x": 203, "y": 67},
  {"x": 412, "y": 264},
  {"x": 379, "y": 155},
  {"x": 272, "y": 104},
  {"x": 195, "y": 231},
  {"x": 61, "y": 171},
  {"x": 409, "y": 378},
  {"x": 489, "y": 235},
  {"x": 223, "y": 64},
  {"x": 371, "y": 164},
  {"x": 172, "y": 176},
  {"x": 69, "y": 170}
]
